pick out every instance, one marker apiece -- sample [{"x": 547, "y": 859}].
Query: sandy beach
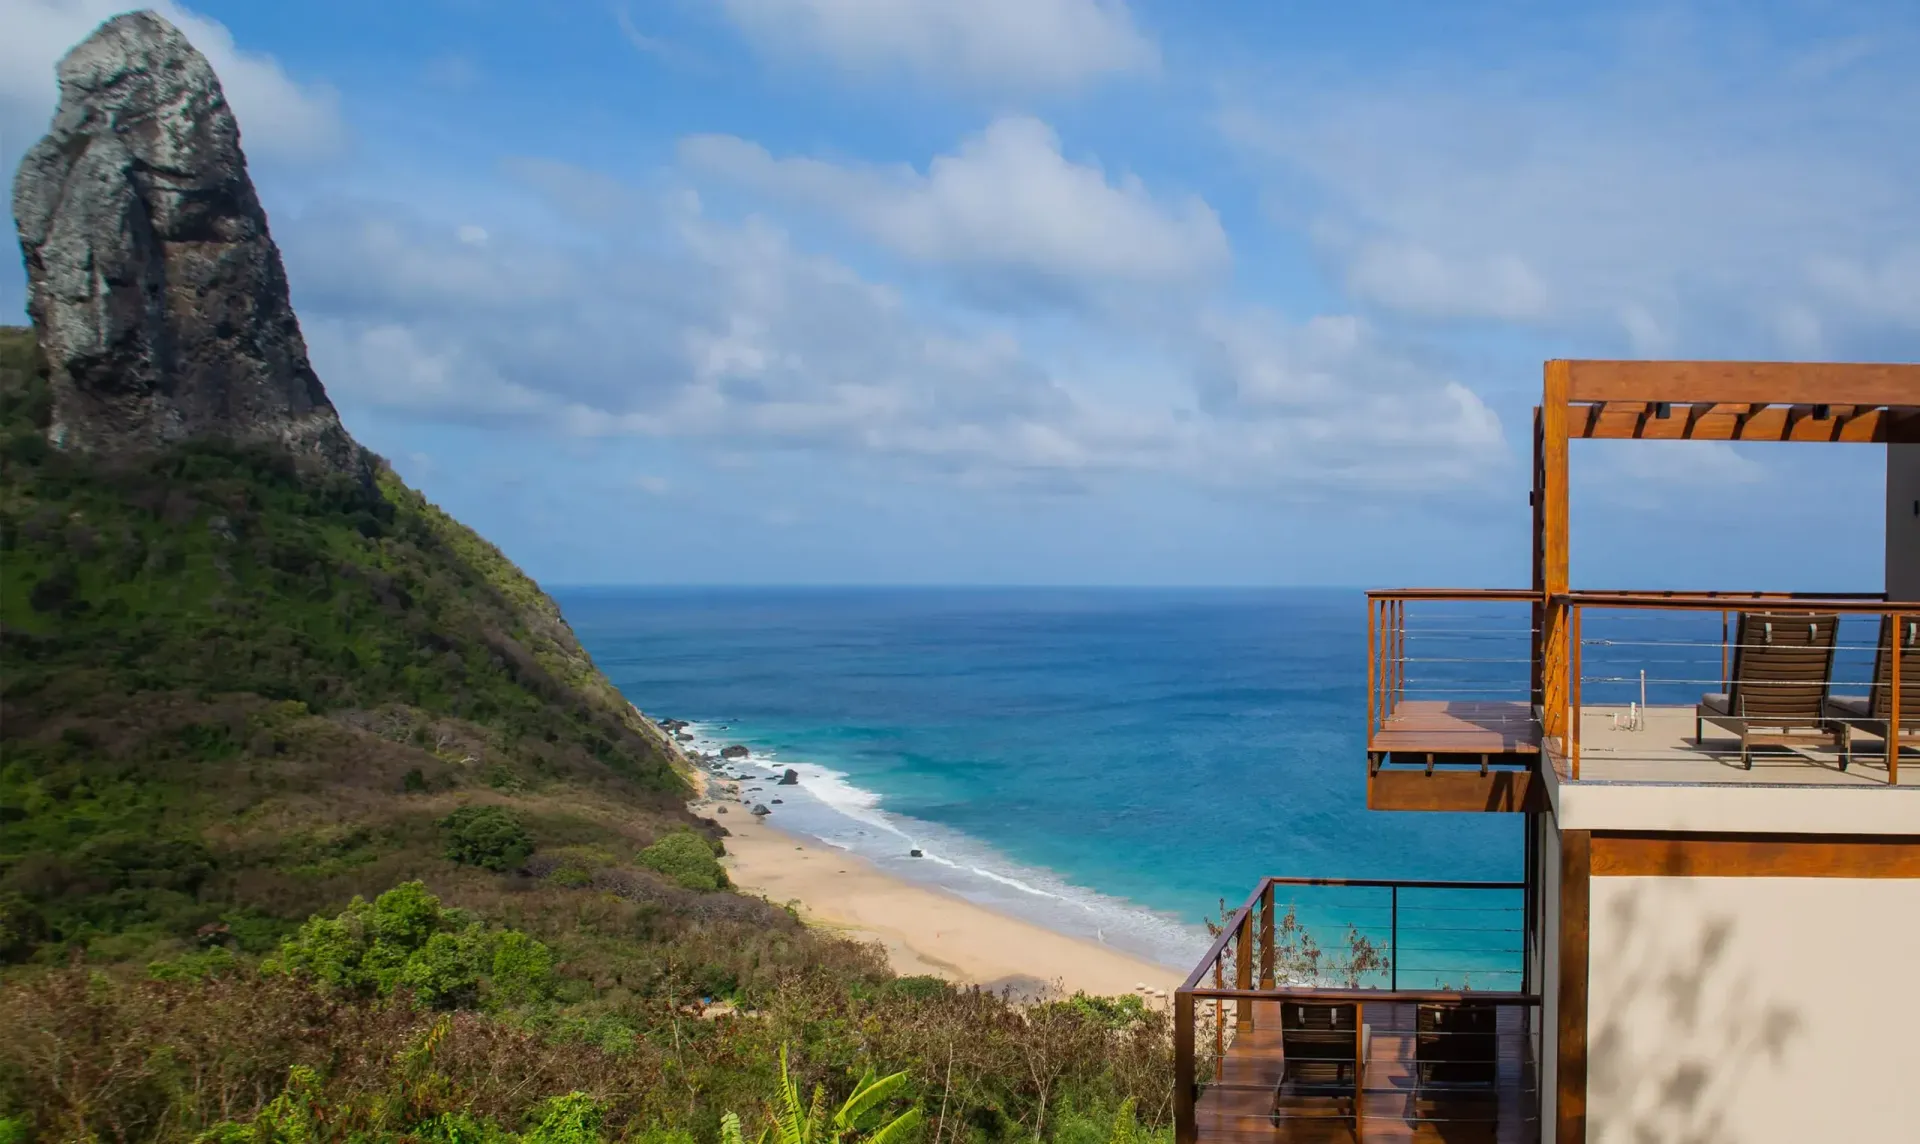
[{"x": 923, "y": 929}]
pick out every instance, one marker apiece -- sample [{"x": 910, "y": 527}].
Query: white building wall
[{"x": 1753, "y": 1009}]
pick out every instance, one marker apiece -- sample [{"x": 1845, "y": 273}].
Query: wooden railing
[{"x": 1246, "y": 966}]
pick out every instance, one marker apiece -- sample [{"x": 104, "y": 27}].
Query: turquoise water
[{"x": 1110, "y": 763}]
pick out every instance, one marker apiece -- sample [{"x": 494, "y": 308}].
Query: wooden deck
[
  {"x": 1240, "y": 1108},
  {"x": 1418, "y": 727}
]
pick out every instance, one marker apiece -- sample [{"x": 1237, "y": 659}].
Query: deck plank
[
  {"x": 1457, "y": 727},
  {"x": 1238, "y": 1108}
]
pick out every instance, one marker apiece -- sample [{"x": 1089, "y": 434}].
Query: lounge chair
[
  {"x": 1777, "y": 696},
  {"x": 1455, "y": 1047},
  {"x": 1320, "y": 1044},
  {"x": 1323, "y": 1052},
  {"x": 1853, "y": 713}
]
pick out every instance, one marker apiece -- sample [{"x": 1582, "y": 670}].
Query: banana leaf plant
[{"x": 858, "y": 1121}]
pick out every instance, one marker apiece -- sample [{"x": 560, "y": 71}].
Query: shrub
[
  {"x": 490, "y": 837},
  {"x": 922, "y": 987},
  {"x": 405, "y": 940},
  {"x": 688, "y": 859}
]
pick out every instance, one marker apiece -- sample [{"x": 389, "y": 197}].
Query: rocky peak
[{"x": 155, "y": 289}]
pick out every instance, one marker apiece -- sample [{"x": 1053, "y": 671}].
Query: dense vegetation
[{"x": 316, "y": 823}]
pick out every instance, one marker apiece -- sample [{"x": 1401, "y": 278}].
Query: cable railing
[
  {"x": 1450, "y": 673},
  {"x": 1435, "y": 976},
  {"x": 1646, "y": 686},
  {"x": 1696, "y": 687}
]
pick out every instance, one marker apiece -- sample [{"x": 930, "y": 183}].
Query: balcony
[
  {"x": 1407, "y": 1008},
  {"x": 1694, "y": 689}
]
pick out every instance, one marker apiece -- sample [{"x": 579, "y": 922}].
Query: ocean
[{"x": 1109, "y": 763}]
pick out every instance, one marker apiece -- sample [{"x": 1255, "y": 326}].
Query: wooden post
[
  {"x": 1243, "y": 969},
  {"x": 1896, "y": 645},
  {"x": 1573, "y": 690},
  {"x": 1186, "y": 1127},
  {"x": 1553, "y": 550},
  {"x": 1219, "y": 1023},
  {"x": 1727, "y": 682},
  {"x": 1537, "y": 501},
  {"x": 1570, "y": 1033},
  {"x": 1266, "y": 936},
  {"x": 1373, "y": 658},
  {"x": 1400, "y": 626},
  {"x": 1359, "y": 1063}
]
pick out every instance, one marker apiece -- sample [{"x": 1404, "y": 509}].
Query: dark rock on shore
[
  {"x": 735, "y": 751},
  {"x": 157, "y": 293},
  {"x": 791, "y": 778},
  {"x": 760, "y": 810}
]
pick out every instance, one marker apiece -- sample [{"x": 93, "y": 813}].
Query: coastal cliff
[{"x": 158, "y": 294}]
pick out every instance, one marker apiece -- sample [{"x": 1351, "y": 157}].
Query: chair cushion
[
  {"x": 1848, "y": 706},
  {"x": 1717, "y": 701}
]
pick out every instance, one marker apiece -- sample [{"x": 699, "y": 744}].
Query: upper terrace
[{"x": 1511, "y": 699}]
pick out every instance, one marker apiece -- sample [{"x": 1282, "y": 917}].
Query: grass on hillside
[{"x": 233, "y": 699}]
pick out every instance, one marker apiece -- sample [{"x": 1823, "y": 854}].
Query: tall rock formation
[{"x": 157, "y": 293}]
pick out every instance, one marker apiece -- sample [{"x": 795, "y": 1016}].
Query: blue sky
[{"x": 1070, "y": 291}]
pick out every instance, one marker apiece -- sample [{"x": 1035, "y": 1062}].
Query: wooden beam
[
  {"x": 1669, "y": 855},
  {"x": 1623, "y": 421},
  {"x": 1570, "y": 1033},
  {"x": 1504, "y": 790},
  {"x": 1772, "y": 383}
]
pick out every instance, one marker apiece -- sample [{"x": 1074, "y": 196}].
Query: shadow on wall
[{"x": 1680, "y": 1034}]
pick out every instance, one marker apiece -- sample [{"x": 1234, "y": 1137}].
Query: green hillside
[{"x": 316, "y": 823}]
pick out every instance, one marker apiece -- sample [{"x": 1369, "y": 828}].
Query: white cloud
[
  {"x": 1007, "y": 200},
  {"x": 998, "y": 44},
  {"x": 1333, "y": 399},
  {"x": 727, "y": 334},
  {"x": 278, "y": 116},
  {"x": 1699, "y": 193}
]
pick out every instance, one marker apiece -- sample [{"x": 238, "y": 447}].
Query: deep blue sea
[{"x": 1108, "y": 762}]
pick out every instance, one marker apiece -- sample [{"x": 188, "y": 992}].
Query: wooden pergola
[{"x": 1827, "y": 402}]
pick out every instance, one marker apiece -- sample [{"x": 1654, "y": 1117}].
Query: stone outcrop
[{"x": 157, "y": 293}]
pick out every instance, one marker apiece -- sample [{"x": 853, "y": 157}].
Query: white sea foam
[
  {"x": 828, "y": 807},
  {"x": 1014, "y": 882}
]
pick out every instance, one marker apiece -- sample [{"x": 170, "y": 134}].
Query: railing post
[
  {"x": 1373, "y": 659},
  {"x": 1399, "y": 651},
  {"x": 1219, "y": 1024},
  {"x": 1186, "y": 1087},
  {"x": 1243, "y": 970},
  {"x": 1896, "y": 647},
  {"x": 1266, "y": 936},
  {"x": 1727, "y": 682},
  {"x": 1573, "y": 690},
  {"x": 1393, "y": 940}
]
